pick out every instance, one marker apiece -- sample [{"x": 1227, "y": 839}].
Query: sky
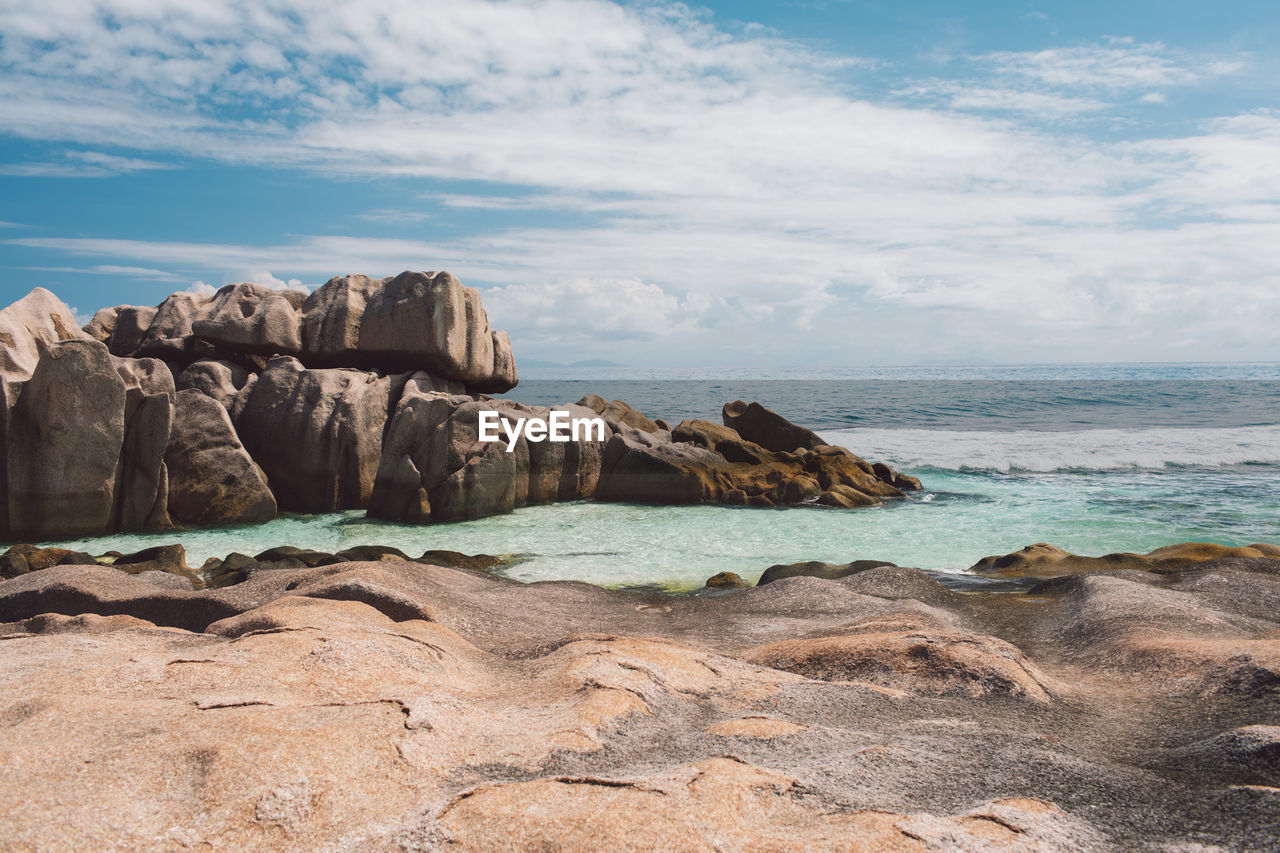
[{"x": 722, "y": 184}]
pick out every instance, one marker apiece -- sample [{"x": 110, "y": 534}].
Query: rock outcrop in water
[
  {"x": 366, "y": 394},
  {"x": 397, "y": 705},
  {"x": 1043, "y": 560}
]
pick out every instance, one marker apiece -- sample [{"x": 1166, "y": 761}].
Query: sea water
[{"x": 1092, "y": 458}]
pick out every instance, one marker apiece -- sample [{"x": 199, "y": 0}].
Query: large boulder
[
  {"x": 63, "y": 446},
  {"x": 169, "y": 334},
  {"x": 702, "y": 462},
  {"x": 251, "y": 318},
  {"x": 130, "y": 329},
  {"x": 316, "y": 433},
  {"x": 429, "y": 321},
  {"x": 30, "y": 326},
  {"x": 220, "y": 380},
  {"x": 650, "y": 468},
  {"x": 435, "y": 466},
  {"x": 1043, "y": 560},
  {"x": 212, "y": 479},
  {"x": 331, "y": 318},
  {"x": 142, "y": 483},
  {"x": 616, "y": 413},
  {"x": 102, "y": 324},
  {"x": 767, "y": 428}
]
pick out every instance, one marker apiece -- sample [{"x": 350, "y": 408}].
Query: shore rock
[
  {"x": 316, "y": 433},
  {"x": 817, "y": 569},
  {"x": 435, "y": 466},
  {"x": 1043, "y": 560},
  {"x": 410, "y": 706},
  {"x": 65, "y": 436},
  {"x": 130, "y": 329},
  {"x": 726, "y": 580},
  {"x": 102, "y": 324},
  {"x": 142, "y": 484},
  {"x": 212, "y": 478},
  {"x": 701, "y": 462},
  {"x": 331, "y": 318},
  {"x": 767, "y": 428},
  {"x": 30, "y": 326}
]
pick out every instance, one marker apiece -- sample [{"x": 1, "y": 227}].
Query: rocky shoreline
[
  {"x": 409, "y": 705},
  {"x": 367, "y": 699},
  {"x": 365, "y": 394}
]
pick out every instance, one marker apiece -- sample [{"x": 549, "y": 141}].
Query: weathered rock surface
[
  {"x": 142, "y": 482},
  {"x": 316, "y": 433},
  {"x": 253, "y": 319},
  {"x": 169, "y": 335},
  {"x": 429, "y": 321},
  {"x": 1043, "y": 560},
  {"x": 367, "y": 394},
  {"x": 818, "y": 569},
  {"x": 65, "y": 436},
  {"x": 767, "y": 428},
  {"x": 435, "y": 466},
  {"x": 30, "y": 326},
  {"x": 702, "y": 462},
  {"x": 401, "y": 705},
  {"x": 223, "y": 381},
  {"x": 212, "y": 478}
]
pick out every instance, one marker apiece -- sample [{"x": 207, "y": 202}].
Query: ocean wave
[{"x": 1065, "y": 451}]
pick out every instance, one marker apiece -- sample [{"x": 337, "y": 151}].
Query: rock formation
[
  {"x": 397, "y": 705},
  {"x": 702, "y": 462},
  {"x": 366, "y": 394},
  {"x": 214, "y": 480},
  {"x": 316, "y": 433},
  {"x": 1043, "y": 560},
  {"x": 65, "y": 440}
]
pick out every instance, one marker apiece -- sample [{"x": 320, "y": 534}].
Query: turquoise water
[{"x": 1091, "y": 465}]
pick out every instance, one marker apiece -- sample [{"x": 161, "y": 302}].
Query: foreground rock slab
[{"x": 397, "y": 705}]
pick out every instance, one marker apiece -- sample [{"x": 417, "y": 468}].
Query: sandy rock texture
[{"x": 394, "y": 705}]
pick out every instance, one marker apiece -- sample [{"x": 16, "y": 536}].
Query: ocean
[{"x": 1092, "y": 458}]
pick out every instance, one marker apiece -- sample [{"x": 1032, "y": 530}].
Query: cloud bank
[{"x": 730, "y": 195}]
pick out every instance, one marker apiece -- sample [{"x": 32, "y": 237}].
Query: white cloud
[
  {"x": 145, "y": 273},
  {"x": 266, "y": 279},
  {"x": 1116, "y": 64},
  {"x": 82, "y": 164},
  {"x": 394, "y": 217},
  {"x": 201, "y": 288},
  {"x": 729, "y": 184}
]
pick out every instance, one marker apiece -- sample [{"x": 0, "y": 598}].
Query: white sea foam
[{"x": 1080, "y": 450}]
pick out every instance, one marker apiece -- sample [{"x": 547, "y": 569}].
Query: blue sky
[{"x": 728, "y": 184}]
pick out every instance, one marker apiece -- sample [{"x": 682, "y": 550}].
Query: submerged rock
[
  {"x": 817, "y": 569},
  {"x": 726, "y": 580}
]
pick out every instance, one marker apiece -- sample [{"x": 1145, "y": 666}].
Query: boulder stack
[{"x": 366, "y": 394}]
